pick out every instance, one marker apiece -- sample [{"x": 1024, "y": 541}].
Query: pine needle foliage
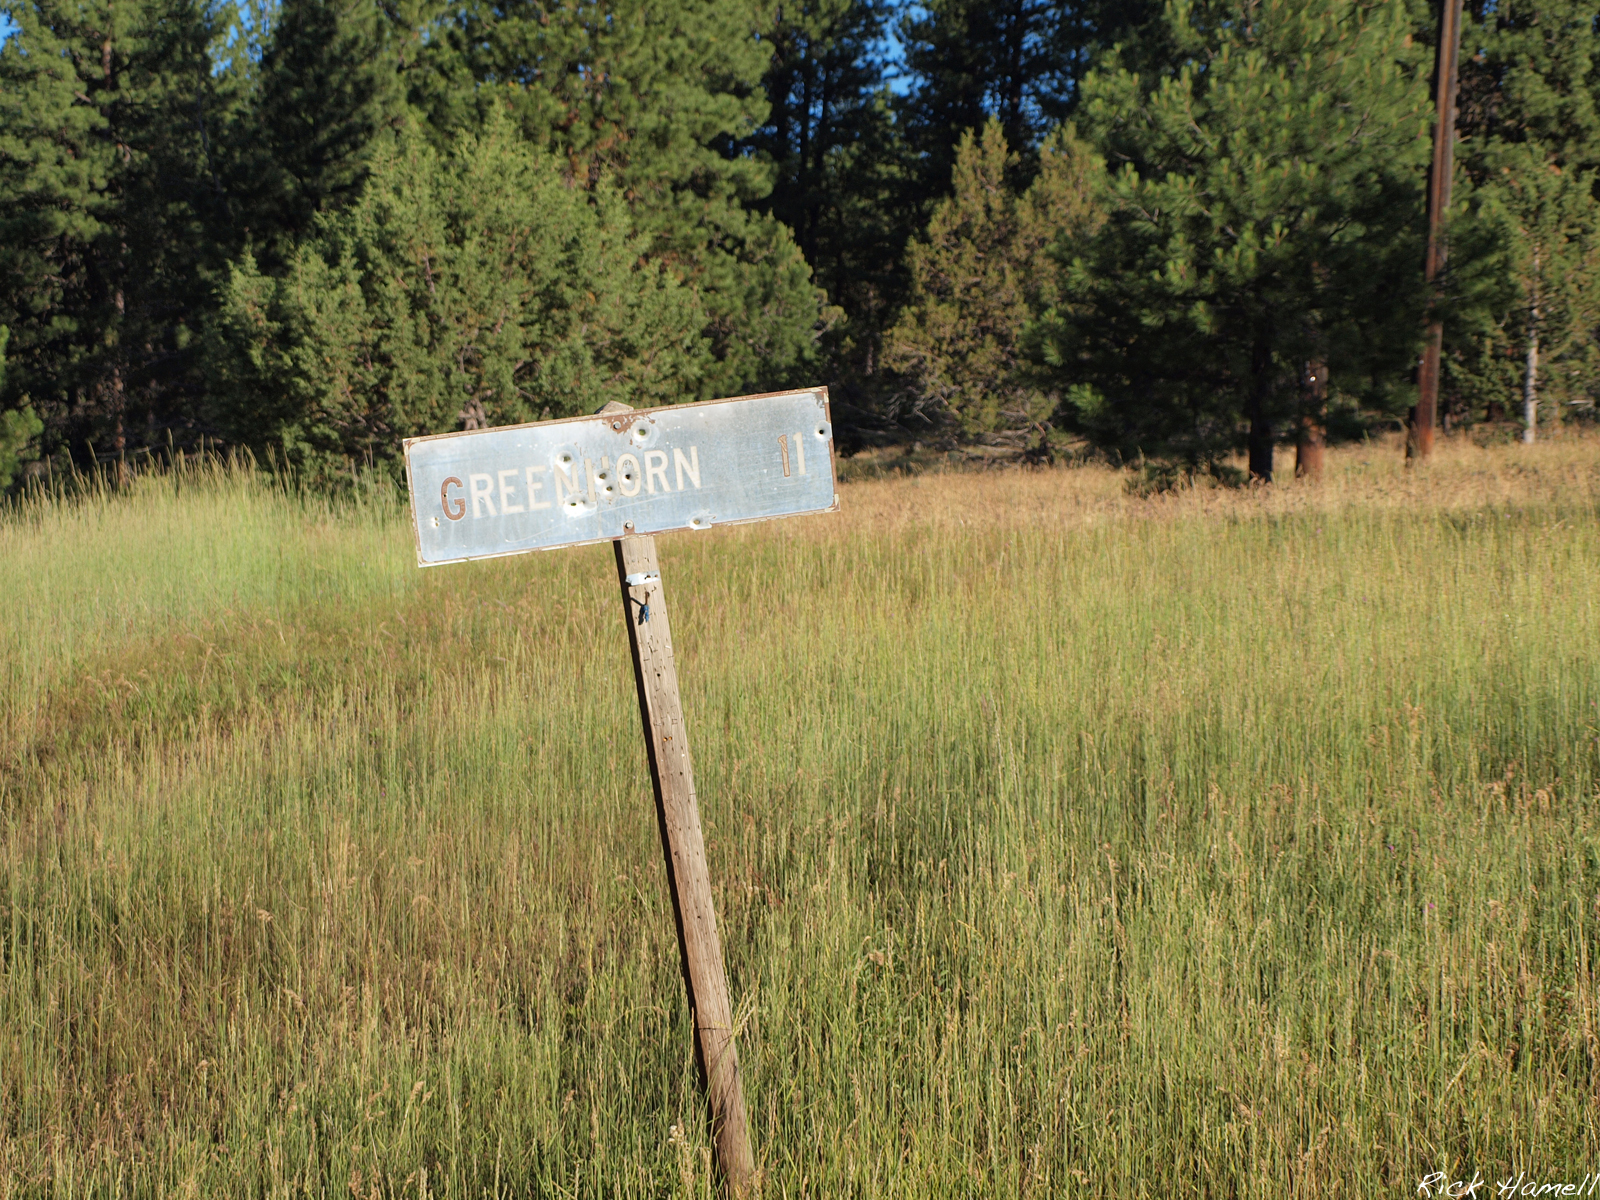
[
  {"x": 465, "y": 288},
  {"x": 1264, "y": 210},
  {"x": 977, "y": 279},
  {"x": 845, "y": 179},
  {"x": 652, "y": 95},
  {"x": 110, "y": 208},
  {"x": 1530, "y": 152},
  {"x": 18, "y": 427}
]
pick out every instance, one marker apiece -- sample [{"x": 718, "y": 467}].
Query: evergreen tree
[
  {"x": 109, "y": 202},
  {"x": 1266, "y": 218},
  {"x": 461, "y": 289},
  {"x": 328, "y": 84},
  {"x": 822, "y": 85},
  {"x": 844, "y": 181},
  {"x": 978, "y": 280},
  {"x": 655, "y": 95},
  {"x": 973, "y": 59},
  {"x": 1531, "y": 80},
  {"x": 1019, "y": 61},
  {"x": 18, "y": 427},
  {"x": 1530, "y": 148},
  {"x": 1553, "y": 251}
]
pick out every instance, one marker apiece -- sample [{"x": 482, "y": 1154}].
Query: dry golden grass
[
  {"x": 888, "y": 488},
  {"x": 1214, "y": 844}
]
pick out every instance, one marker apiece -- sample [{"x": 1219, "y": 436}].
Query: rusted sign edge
[
  {"x": 406, "y": 443},
  {"x": 416, "y": 533},
  {"x": 411, "y": 506}
]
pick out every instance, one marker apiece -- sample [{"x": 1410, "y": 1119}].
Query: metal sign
[
  {"x": 490, "y": 492},
  {"x": 620, "y": 476}
]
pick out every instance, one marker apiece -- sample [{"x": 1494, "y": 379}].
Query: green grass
[{"x": 1066, "y": 843}]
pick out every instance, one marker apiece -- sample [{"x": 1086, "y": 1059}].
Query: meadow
[{"x": 1066, "y": 842}]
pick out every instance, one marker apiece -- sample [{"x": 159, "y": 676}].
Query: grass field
[{"x": 1067, "y": 843}]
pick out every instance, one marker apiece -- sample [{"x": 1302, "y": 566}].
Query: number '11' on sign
[{"x": 799, "y": 454}]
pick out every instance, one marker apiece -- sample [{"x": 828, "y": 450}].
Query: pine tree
[
  {"x": 655, "y": 95},
  {"x": 978, "y": 280},
  {"x": 973, "y": 60},
  {"x": 109, "y": 199},
  {"x": 1019, "y": 61},
  {"x": 328, "y": 86},
  {"x": 844, "y": 182},
  {"x": 1530, "y": 149},
  {"x": 461, "y": 289},
  {"x": 1553, "y": 249},
  {"x": 18, "y": 427},
  {"x": 1265, "y": 218}
]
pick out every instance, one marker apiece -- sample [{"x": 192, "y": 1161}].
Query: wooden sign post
[
  {"x": 732, "y": 461},
  {"x": 644, "y": 609}
]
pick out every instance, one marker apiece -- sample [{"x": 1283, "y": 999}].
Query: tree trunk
[
  {"x": 1260, "y": 447},
  {"x": 1308, "y": 448},
  {"x": 119, "y": 394},
  {"x": 1311, "y": 438},
  {"x": 1261, "y": 433}
]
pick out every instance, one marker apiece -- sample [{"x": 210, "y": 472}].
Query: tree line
[{"x": 1169, "y": 231}]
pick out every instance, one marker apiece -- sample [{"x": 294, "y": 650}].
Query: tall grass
[{"x": 1066, "y": 842}]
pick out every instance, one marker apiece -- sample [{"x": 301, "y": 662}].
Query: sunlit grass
[{"x": 1219, "y": 843}]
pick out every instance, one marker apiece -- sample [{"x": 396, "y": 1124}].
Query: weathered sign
[
  {"x": 490, "y": 492},
  {"x": 622, "y": 475}
]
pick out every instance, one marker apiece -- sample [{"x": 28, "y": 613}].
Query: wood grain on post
[{"x": 688, "y": 878}]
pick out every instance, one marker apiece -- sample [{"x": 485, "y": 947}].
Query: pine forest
[{"x": 1156, "y": 233}]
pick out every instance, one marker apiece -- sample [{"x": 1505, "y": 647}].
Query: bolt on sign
[{"x": 622, "y": 475}]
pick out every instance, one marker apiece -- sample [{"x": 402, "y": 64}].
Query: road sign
[
  {"x": 489, "y": 492},
  {"x": 620, "y": 476}
]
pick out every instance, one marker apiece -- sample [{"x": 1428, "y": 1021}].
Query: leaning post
[
  {"x": 621, "y": 476},
  {"x": 666, "y": 739}
]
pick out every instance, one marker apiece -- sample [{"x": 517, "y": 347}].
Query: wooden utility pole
[
  {"x": 1420, "y": 443},
  {"x": 644, "y": 611}
]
